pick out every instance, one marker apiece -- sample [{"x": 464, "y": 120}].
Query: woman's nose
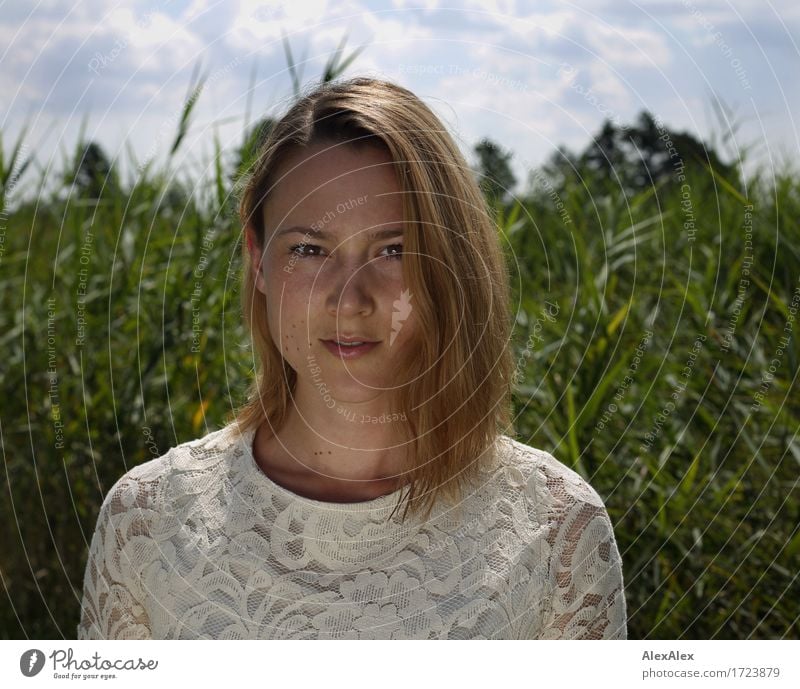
[{"x": 352, "y": 290}]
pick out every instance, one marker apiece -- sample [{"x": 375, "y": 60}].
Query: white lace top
[{"x": 201, "y": 544}]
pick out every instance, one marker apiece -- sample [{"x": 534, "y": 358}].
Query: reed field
[{"x": 655, "y": 338}]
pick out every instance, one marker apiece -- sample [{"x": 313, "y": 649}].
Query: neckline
[{"x": 254, "y": 471}]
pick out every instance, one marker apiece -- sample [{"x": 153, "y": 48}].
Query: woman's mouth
[{"x": 349, "y": 351}]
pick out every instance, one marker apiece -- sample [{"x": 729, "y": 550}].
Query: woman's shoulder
[
  {"x": 544, "y": 480},
  {"x": 180, "y": 471}
]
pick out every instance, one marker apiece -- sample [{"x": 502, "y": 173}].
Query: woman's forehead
[
  {"x": 314, "y": 188},
  {"x": 325, "y": 165}
]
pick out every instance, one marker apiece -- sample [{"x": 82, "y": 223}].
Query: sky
[{"x": 532, "y": 76}]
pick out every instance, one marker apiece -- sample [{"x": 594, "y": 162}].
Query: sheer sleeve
[
  {"x": 112, "y": 605},
  {"x": 587, "y": 599}
]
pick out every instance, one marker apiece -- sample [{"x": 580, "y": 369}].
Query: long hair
[{"x": 456, "y": 391}]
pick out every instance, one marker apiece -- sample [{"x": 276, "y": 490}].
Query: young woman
[{"x": 377, "y": 298}]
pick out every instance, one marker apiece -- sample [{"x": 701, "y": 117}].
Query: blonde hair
[{"x": 453, "y": 266}]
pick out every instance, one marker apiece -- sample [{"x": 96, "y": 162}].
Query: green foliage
[
  {"x": 633, "y": 158},
  {"x": 13, "y": 168},
  {"x": 698, "y": 471},
  {"x": 123, "y": 337},
  {"x": 92, "y": 173},
  {"x": 494, "y": 171}
]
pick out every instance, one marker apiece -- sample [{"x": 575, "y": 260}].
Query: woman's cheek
[{"x": 293, "y": 311}]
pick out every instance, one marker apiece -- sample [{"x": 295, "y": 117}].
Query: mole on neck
[{"x": 290, "y": 473}]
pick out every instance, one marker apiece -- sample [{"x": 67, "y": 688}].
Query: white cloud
[
  {"x": 416, "y": 4},
  {"x": 628, "y": 47},
  {"x": 256, "y": 20},
  {"x": 156, "y": 35},
  {"x": 396, "y": 34},
  {"x": 504, "y": 7},
  {"x": 554, "y": 23}
]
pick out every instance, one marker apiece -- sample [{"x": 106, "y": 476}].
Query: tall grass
[
  {"x": 122, "y": 338},
  {"x": 706, "y": 515}
]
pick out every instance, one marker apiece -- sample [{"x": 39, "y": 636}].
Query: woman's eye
[
  {"x": 398, "y": 255},
  {"x": 300, "y": 250}
]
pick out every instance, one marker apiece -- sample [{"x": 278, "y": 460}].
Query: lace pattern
[{"x": 200, "y": 543}]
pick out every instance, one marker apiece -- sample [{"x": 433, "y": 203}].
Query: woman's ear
[{"x": 256, "y": 258}]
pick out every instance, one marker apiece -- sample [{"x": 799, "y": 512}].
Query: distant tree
[
  {"x": 634, "y": 158},
  {"x": 92, "y": 173},
  {"x": 494, "y": 171},
  {"x": 606, "y": 152}
]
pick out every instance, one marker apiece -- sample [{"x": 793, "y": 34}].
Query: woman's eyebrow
[{"x": 385, "y": 233}]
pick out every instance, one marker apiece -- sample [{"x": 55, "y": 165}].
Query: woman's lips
[{"x": 345, "y": 352}]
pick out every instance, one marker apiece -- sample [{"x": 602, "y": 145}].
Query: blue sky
[{"x": 531, "y": 75}]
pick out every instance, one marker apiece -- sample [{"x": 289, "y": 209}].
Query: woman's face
[{"x": 332, "y": 269}]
